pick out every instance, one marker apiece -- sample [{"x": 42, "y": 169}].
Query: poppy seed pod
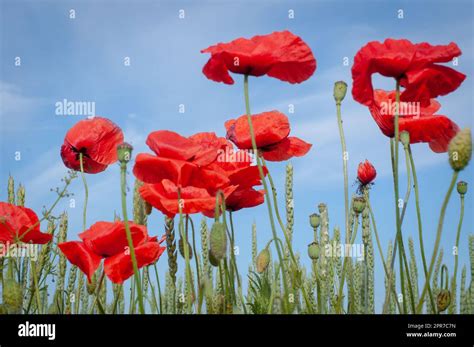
[
  {"x": 462, "y": 187},
  {"x": 340, "y": 90},
  {"x": 443, "y": 300},
  {"x": 12, "y": 296},
  {"x": 313, "y": 250},
  {"x": 181, "y": 249},
  {"x": 358, "y": 204},
  {"x": 314, "y": 220},
  {"x": 218, "y": 241},
  {"x": 263, "y": 260},
  {"x": 124, "y": 152},
  {"x": 460, "y": 150},
  {"x": 405, "y": 138}
]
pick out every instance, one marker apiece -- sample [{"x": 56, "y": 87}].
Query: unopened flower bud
[
  {"x": 462, "y": 187},
  {"x": 443, "y": 300},
  {"x": 181, "y": 249},
  {"x": 313, "y": 250},
  {"x": 124, "y": 152},
  {"x": 405, "y": 138},
  {"x": 340, "y": 89},
  {"x": 460, "y": 150},
  {"x": 263, "y": 260},
  {"x": 315, "y": 220},
  {"x": 358, "y": 204},
  {"x": 218, "y": 241}
]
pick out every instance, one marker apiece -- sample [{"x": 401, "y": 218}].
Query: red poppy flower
[
  {"x": 244, "y": 198},
  {"x": 97, "y": 139},
  {"x": 20, "y": 224},
  {"x": 164, "y": 197},
  {"x": 271, "y": 131},
  {"x": 106, "y": 240},
  {"x": 366, "y": 173},
  {"x": 414, "y": 65},
  {"x": 424, "y": 126},
  {"x": 282, "y": 55}
]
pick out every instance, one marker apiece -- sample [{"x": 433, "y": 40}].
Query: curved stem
[
  {"x": 420, "y": 226},
  {"x": 123, "y": 184},
  {"x": 86, "y": 191},
  {"x": 456, "y": 256},
  {"x": 438, "y": 238}
]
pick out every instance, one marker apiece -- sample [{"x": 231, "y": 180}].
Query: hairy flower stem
[
  {"x": 344, "y": 266},
  {"x": 184, "y": 237},
  {"x": 287, "y": 238},
  {"x": 344, "y": 165},
  {"x": 265, "y": 186},
  {"x": 196, "y": 258},
  {"x": 379, "y": 246},
  {"x": 420, "y": 225},
  {"x": 234, "y": 263},
  {"x": 438, "y": 239},
  {"x": 86, "y": 192},
  {"x": 123, "y": 184},
  {"x": 456, "y": 255},
  {"x": 394, "y": 153}
]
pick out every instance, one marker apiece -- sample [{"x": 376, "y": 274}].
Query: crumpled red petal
[
  {"x": 15, "y": 221},
  {"x": 282, "y": 55},
  {"x": 244, "y": 198},
  {"x": 120, "y": 267},
  {"x": 269, "y": 128},
  {"x": 80, "y": 255},
  {"x": 286, "y": 149},
  {"x": 168, "y": 144}
]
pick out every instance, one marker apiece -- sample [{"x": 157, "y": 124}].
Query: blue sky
[{"x": 82, "y": 59}]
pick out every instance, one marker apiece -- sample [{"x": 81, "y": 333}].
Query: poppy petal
[
  {"x": 286, "y": 149},
  {"x": 78, "y": 254},
  {"x": 120, "y": 267},
  {"x": 269, "y": 128},
  {"x": 168, "y": 144}
]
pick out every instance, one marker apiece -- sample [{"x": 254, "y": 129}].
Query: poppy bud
[
  {"x": 212, "y": 260},
  {"x": 218, "y": 241},
  {"x": 460, "y": 149},
  {"x": 91, "y": 286},
  {"x": 148, "y": 208},
  {"x": 443, "y": 300},
  {"x": 405, "y": 138},
  {"x": 314, "y": 220},
  {"x": 12, "y": 296},
  {"x": 181, "y": 249},
  {"x": 358, "y": 204},
  {"x": 366, "y": 173},
  {"x": 124, "y": 152},
  {"x": 462, "y": 187},
  {"x": 340, "y": 89},
  {"x": 313, "y": 250},
  {"x": 263, "y": 260}
]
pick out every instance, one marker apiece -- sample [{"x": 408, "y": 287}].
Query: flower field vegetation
[{"x": 197, "y": 184}]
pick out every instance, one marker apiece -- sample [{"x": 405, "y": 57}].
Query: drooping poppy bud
[
  {"x": 460, "y": 150},
  {"x": 443, "y": 300},
  {"x": 218, "y": 241},
  {"x": 181, "y": 249},
  {"x": 263, "y": 260},
  {"x": 405, "y": 138}
]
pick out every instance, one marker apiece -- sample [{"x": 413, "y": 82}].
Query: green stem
[
  {"x": 420, "y": 225},
  {"x": 344, "y": 165},
  {"x": 232, "y": 242},
  {"x": 456, "y": 256},
  {"x": 86, "y": 191},
  {"x": 196, "y": 260},
  {"x": 438, "y": 238},
  {"x": 262, "y": 177},
  {"x": 123, "y": 184}
]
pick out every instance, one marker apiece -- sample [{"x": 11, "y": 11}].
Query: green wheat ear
[
  {"x": 413, "y": 268},
  {"x": 470, "y": 294},
  {"x": 11, "y": 190},
  {"x": 289, "y": 205},
  {"x": 139, "y": 211},
  {"x": 254, "y": 245}
]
